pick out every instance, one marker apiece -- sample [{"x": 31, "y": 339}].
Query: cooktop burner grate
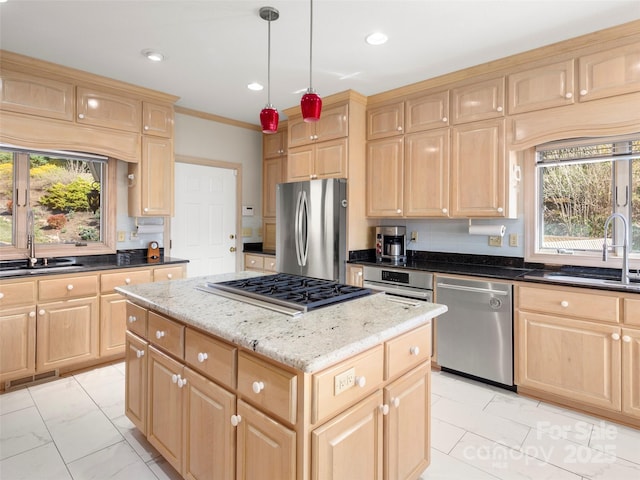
[{"x": 294, "y": 291}]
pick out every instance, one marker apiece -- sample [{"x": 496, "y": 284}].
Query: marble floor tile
[
  {"x": 444, "y": 436},
  {"x": 623, "y": 441},
  {"x": 106, "y": 387},
  {"x": 20, "y": 431},
  {"x": 461, "y": 389},
  {"x": 135, "y": 438},
  {"x": 16, "y": 400},
  {"x": 62, "y": 399},
  {"x": 163, "y": 470},
  {"x": 117, "y": 462},
  {"x": 41, "y": 463},
  {"x": 445, "y": 467}
]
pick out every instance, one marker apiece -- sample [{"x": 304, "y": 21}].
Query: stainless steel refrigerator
[{"x": 311, "y": 227}]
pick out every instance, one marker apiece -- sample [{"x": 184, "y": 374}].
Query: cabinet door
[
  {"x": 165, "y": 407},
  {"x": 300, "y": 163},
  {"x": 544, "y": 87},
  {"x": 406, "y": 427},
  {"x": 333, "y": 123},
  {"x": 156, "y": 177},
  {"x": 478, "y": 170},
  {"x": 33, "y": 95},
  {"x": 17, "y": 342},
  {"x": 577, "y": 360},
  {"x": 426, "y": 174},
  {"x": 350, "y": 445},
  {"x": 330, "y": 159},
  {"x": 301, "y": 132},
  {"x": 265, "y": 448},
  {"x": 113, "y": 314},
  {"x": 385, "y": 121},
  {"x": 135, "y": 402},
  {"x": 385, "y": 178},
  {"x": 274, "y": 144},
  {"x": 478, "y": 101},
  {"x": 67, "y": 333},
  {"x": 209, "y": 448},
  {"x": 425, "y": 112},
  {"x": 609, "y": 73},
  {"x": 631, "y": 372},
  {"x": 269, "y": 236},
  {"x": 271, "y": 176},
  {"x": 157, "y": 120},
  {"x": 102, "y": 109},
  {"x": 355, "y": 275}
]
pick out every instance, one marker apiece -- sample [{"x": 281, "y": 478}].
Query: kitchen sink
[
  {"x": 14, "y": 267},
  {"x": 560, "y": 277}
]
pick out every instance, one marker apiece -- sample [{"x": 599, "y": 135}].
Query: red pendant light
[
  {"x": 269, "y": 115},
  {"x": 311, "y": 103}
]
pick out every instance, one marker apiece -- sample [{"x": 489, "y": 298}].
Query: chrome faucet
[
  {"x": 625, "y": 245},
  {"x": 31, "y": 240}
]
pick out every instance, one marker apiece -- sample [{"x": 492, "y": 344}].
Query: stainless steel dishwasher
[{"x": 475, "y": 337}]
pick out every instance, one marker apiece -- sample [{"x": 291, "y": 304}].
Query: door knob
[
  {"x": 232, "y": 249},
  {"x": 232, "y": 236}
]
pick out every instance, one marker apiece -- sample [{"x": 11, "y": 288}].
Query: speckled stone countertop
[{"x": 308, "y": 342}]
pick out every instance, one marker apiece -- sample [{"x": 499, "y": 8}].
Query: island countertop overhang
[{"x": 309, "y": 342}]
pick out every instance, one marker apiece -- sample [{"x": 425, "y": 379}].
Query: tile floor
[{"x": 75, "y": 428}]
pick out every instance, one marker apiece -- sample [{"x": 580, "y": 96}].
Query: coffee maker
[{"x": 390, "y": 245}]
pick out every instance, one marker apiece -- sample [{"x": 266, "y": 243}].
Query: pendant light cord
[
  {"x": 310, "y": 45},
  {"x": 269, "y": 64}
]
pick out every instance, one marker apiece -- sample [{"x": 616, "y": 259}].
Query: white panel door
[{"x": 204, "y": 227}]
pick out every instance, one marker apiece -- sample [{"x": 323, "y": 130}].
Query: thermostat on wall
[{"x": 247, "y": 211}]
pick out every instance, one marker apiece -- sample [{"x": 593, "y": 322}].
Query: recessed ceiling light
[
  {"x": 153, "y": 55},
  {"x": 255, "y": 86},
  {"x": 376, "y": 38}
]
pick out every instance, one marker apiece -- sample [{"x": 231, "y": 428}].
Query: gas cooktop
[{"x": 294, "y": 292}]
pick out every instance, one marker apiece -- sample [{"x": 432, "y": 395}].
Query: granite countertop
[{"x": 308, "y": 342}]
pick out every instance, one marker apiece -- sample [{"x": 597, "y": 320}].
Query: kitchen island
[{"x": 225, "y": 389}]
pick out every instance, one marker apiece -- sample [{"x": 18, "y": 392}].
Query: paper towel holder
[{"x": 488, "y": 230}]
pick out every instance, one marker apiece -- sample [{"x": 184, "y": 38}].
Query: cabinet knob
[
  {"x": 626, "y": 338},
  {"x": 202, "y": 356},
  {"x": 169, "y": 276},
  {"x": 139, "y": 353},
  {"x": 146, "y": 209},
  {"x": 498, "y": 109},
  {"x": 132, "y": 318},
  {"x": 174, "y": 378},
  {"x": 257, "y": 387},
  {"x": 146, "y": 127},
  {"x": 70, "y": 287},
  {"x": 359, "y": 274},
  {"x": 415, "y": 350},
  {"x": 361, "y": 381},
  {"x": 400, "y": 128},
  {"x": 160, "y": 334},
  {"x": 1, "y": 295},
  {"x": 568, "y": 95},
  {"x": 81, "y": 116},
  {"x": 500, "y": 209},
  {"x": 384, "y": 409},
  {"x": 445, "y": 119},
  {"x": 444, "y": 210},
  {"x": 41, "y": 312},
  {"x": 127, "y": 281},
  {"x": 564, "y": 304},
  {"x": 583, "y": 92},
  {"x": 615, "y": 336},
  {"x": 395, "y": 401},
  {"x": 181, "y": 381},
  {"x": 398, "y": 211},
  {"x": 32, "y": 314},
  {"x": 235, "y": 420}
]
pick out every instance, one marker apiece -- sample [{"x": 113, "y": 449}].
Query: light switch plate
[{"x": 513, "y": 239}]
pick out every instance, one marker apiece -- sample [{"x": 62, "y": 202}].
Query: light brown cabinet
[
  {"x": 136, "y": 361},
  {"x": 157, "y": 120},
  {"x": 631, "y": 372},
  {"x": 259, "y": 262},
  {"x": 318, "y": 160},
  {"x": 151, "y": 183},
  {"x": 609, "y": 73},
  {"x": 426, "y": 111},
  {"x": 274, "y": 165},
  {"x": 385, "y": 121},
  {"x": 385, "y": 178},
  {"x": 355, "y": 275},
  {"x": 333, "y": 123},
  {"x": 103, "y": 109},
  {"x": 275, "y": 144},
  {"x": 543, "y": 87},
  {"x": 478, "y": 101},
  {"x": 272, "y": 174}
]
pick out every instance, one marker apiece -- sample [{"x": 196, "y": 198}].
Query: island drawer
[
  {"x": 213, "y": 358},
  {"x": 253, "y": 262},
  {"x": 109, "y": 281},
  {"x": 570, "y": 302},
  {"x": 407, "y": 351},
  {"x": 18, "y": 293},
  {"x": 68, "y": 287},
  {"x": 632, "y": 311},
  {"x": 168, "y": 273},
  {"x": 269, "y": 264},
  {"x": 267, "y": 386},
  {"x": 345, "y": 383},
  {"x": 137, "y": 319},
  {"x": 167, "y": 334}
]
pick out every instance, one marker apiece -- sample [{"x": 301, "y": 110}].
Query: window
[
  {"x": 59, "y": 197},
  {"x": 579, "y": 185}
]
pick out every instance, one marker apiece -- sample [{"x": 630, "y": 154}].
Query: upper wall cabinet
[
  {"x": 157, "y": 120},
  {"x": 544, "y": 87},
  {"x": 334, "y": 123},
  {"x": 102, "y": 109},
  {"x": 274, "y": 144},
  {"x": 36, "y": 95},
  {"x": 426, "y": 112},
  {"x": 385, "y": 121},
  {"x": 478, "y": 101},
  {"x": 611, "y": 72}
]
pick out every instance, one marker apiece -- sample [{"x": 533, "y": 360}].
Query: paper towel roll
[
  {"x": 150, "y": 228},
  {"x": 489, "y": 230}
]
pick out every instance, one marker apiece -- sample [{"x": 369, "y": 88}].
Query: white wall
[{"x": 197, "y": 137}]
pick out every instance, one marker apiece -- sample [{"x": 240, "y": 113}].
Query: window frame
[{"x": 19, "y": 248}]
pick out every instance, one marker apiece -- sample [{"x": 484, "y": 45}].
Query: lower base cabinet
[
  {"x": 17, "y": 342},
  {"x": 136, "y": 355}
]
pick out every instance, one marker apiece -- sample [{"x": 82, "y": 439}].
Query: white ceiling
[{"x": 215, "y": 48}]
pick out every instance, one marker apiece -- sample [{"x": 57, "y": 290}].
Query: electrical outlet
[
  {"x": 513, "y": 239},
  {"x": 414, "y": 236},
  {"x": 495, "y": 241},
  {"x": 133, "y": 235},
  {"x": 121, "y": 236}
]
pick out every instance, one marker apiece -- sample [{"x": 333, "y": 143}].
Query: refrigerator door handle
[{"x": 304, "y": 237}]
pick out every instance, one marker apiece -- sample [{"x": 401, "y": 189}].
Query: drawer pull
[
  {"x": 626, "y": 338},
  {"x": 132, "y": 319},
  {"x": 615, "y": 336},
  {"x": 415, "y": 350},
  {"x": 160, "y": 334},
  {"x": 384, "y": 409},
  {"x": 70, "y": 287},
  {"x": 127, "y": 281},
  {"x": 202, "y": 356},
  {"x": 169, "y": 276},
  {"x": 564, "y": 304},
  {"x": 395, "y": 401},
  {"x": 257, "y": 387},
  {"x": 235, "y": 420},
  {"x": 1, "y": 295},
  {"x": 361, "y": 381},
  {"x": 139, "y": 353}
]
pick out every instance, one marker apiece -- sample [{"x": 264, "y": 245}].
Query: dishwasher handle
[{"x": 471, "y": 289}]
